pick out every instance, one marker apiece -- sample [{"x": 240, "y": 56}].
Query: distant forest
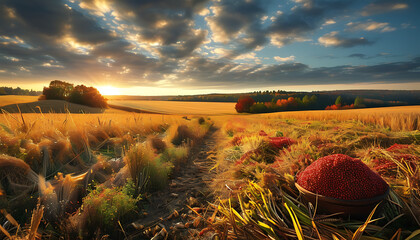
[
  {"x": 18, "y": 91},
  {"x": 324, "y": 99}
]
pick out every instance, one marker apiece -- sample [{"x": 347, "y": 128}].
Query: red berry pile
[{"x": 343, "y": 177}]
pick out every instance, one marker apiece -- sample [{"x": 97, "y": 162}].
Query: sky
[{"x": 174, "y": 47}]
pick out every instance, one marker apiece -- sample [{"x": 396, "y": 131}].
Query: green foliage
[
  {"x": 107, "y": 206},
  {"x": 359, "y": 102},
  {"x": 175, "y": 155},
  {"x": 306, "y": 100},
  {"x": 258, "y": 108},
  {"x": 58, "y": 90},
  {"x": 149, "y": 173},
  {"x": 338, "y": 101}
]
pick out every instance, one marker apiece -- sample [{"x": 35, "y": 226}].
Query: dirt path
[{"x": 168, "y": 210}]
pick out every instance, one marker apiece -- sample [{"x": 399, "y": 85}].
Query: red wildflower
[
  {"x": 262, "y": 133},
  {"x": 398, "y": 147},
  {"x": 277, "y": 163},
  {"x": 236, "y": 141},
  {"x": 343, "y": 177},
  {"x": 246, "y": 156},
  {"x": 281, "y": 142}
]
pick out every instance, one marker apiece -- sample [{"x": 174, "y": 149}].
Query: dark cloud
[
  {"x": 333, "y": 39},
  {"x": 165, "y": 22},
  {"x": 303, "y": 19},
  {"x": 239, "y": 22},
  {"x": 87, "y": 30},
  {"x": 185, "y": 48},
  {"x": 66, "y": 44},
  {"x": 44, "y": 16},
  {"x": 45, "y": 20},
  {"x": 383, "y": 6},
  {"x": 237, "y": 75}
]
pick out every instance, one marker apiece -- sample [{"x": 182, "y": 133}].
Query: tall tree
[
  {"x": 359, "y": 102},
  {"x": 338, "y": 101}
]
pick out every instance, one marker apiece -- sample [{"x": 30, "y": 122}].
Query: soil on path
[{"x": 171, "y": 212}]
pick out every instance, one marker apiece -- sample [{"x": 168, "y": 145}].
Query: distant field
[
  {"x": 30, "y": 104},
  {"x": 176, "y": 107},
  {"x": 14, "y": 99},
  {"x": 396, "y": 118}
]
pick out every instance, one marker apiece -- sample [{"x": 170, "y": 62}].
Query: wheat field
[
  {"x": 178, "y": 107},
  {"x": 396, "y": 118},
  {"x": 16, "y": 99}
]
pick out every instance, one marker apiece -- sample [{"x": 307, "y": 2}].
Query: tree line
[
  {"x": 247, "y": 104},
  {"x": 18, "y": 91},
  {"x": 80, "y": 94}
]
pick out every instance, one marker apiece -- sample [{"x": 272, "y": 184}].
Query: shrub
[
  {"x": 175, "y": 155},
  {"x": 146, "y": 170},
  {"x": 158, "y": 144},
  {"x": 258, "y": 108},
  {"x": 244, "y": 104},
  {"x": 182, "y": 135},
  {"x": 201, "y": 120},
  {"x": 104, "y": 207}
]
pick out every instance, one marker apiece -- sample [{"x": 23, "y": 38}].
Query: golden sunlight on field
[
  {"x": 15, "y": 99},
  {"x": 178, "y": 107},
  {"x": 396, "y": 118}
]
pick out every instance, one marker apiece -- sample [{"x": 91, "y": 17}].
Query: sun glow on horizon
[{"x": 109, "y": 90}]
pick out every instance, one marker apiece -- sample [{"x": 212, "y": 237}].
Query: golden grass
[
  {"x": 396, "y": 118},
  {"x": 48, "y": 125},
  {"x": 177, "y": 107},
  {"x": 54, "y": 106},
  {"x": 406, "y": 118},
  {"x": 16, "y": 99}
]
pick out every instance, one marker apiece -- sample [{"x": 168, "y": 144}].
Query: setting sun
[{"x": 108, "y": 90}]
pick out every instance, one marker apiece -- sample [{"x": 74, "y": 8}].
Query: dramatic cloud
[
  {"x": 202, "y": 44},
  {"x": 239, "y": 22},
  {"x": 240, "y": 75},
  {"x": 333, "y": 39},
  {"x": 302, "y": 20},
  {"x": 168, "y": 24}
]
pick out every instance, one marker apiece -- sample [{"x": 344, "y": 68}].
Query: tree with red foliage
[
  {"x": 339, "y": 107},
  {"x": 244, "y": 104}
]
